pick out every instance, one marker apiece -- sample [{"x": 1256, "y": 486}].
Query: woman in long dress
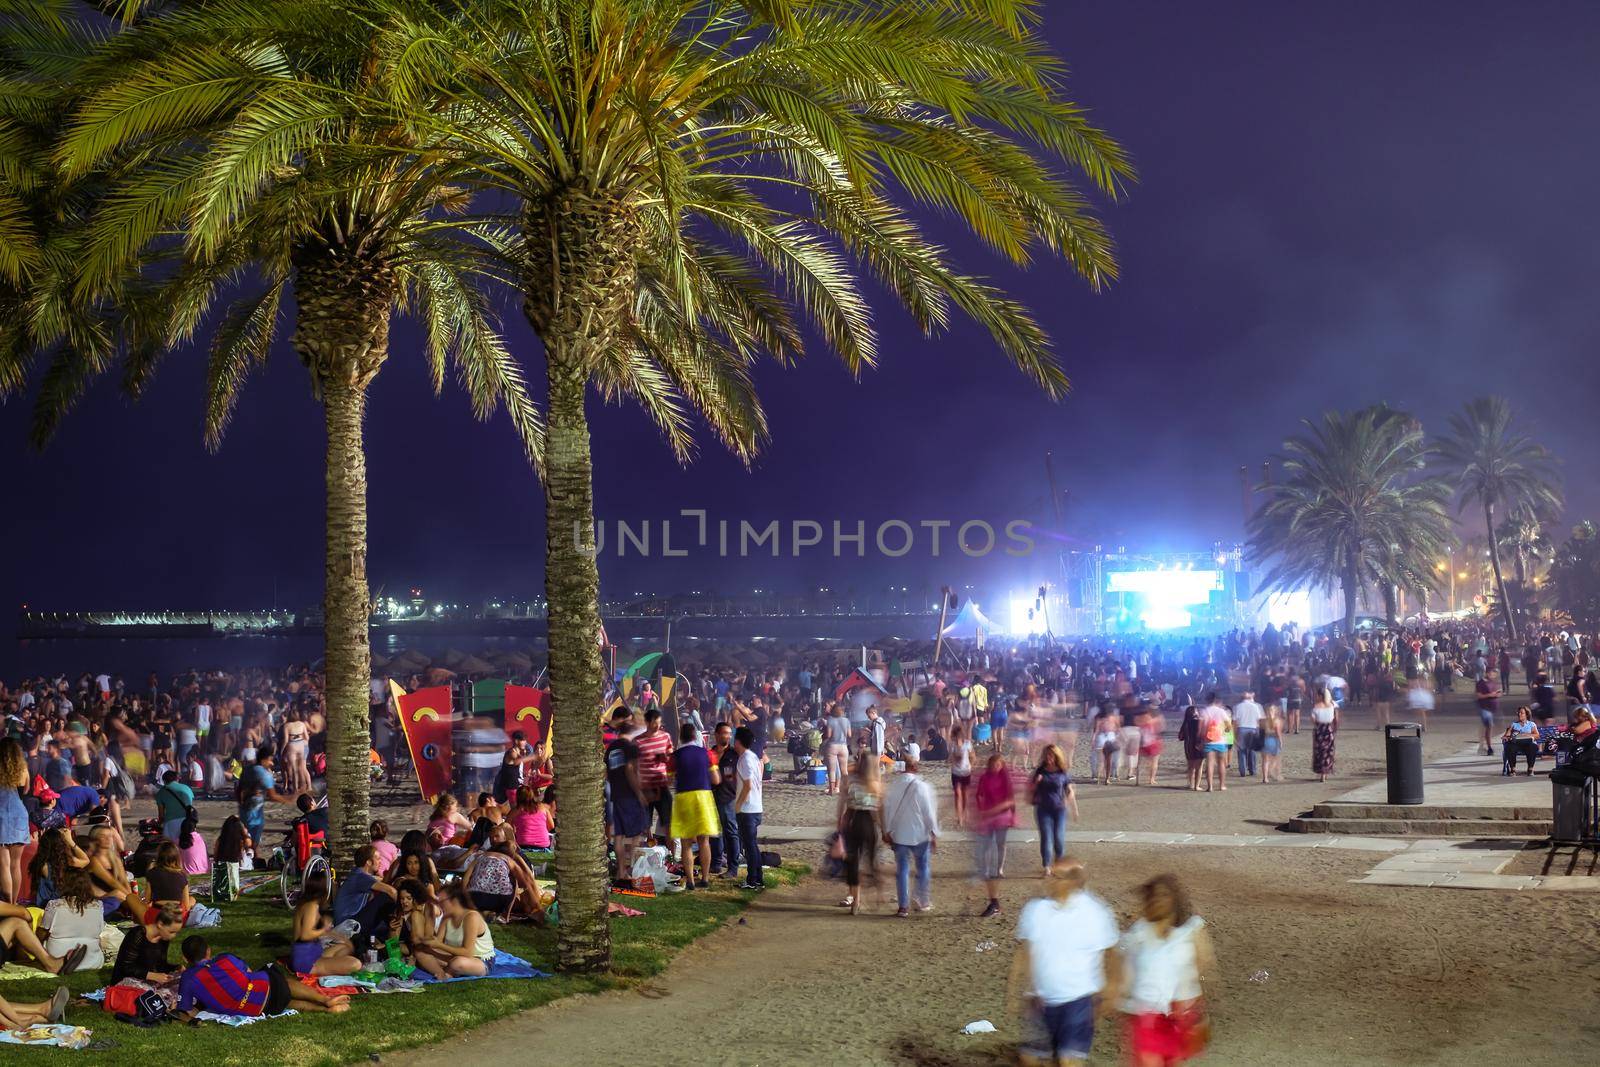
[{"x": 1325, "y": 724}]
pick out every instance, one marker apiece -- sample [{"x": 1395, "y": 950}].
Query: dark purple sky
[{"x": 1339, "y": 204}]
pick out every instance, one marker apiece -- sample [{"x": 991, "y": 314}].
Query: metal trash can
[
  {"x": 1402, "y": 750},
  {"x": 1569, "y": 809}
]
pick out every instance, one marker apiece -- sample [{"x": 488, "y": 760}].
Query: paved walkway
[
  {"x": 1467, "y": 864},
  {"x": 1132, "y": 837},
  {"x": 1469, "y": 780}
]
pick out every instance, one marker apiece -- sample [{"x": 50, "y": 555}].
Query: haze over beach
[{"x": 890, "y": 533}]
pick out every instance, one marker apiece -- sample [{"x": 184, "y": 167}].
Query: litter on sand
[
  {"x": 982, "y": 1026},
  {"x": 985, "y": 946}
]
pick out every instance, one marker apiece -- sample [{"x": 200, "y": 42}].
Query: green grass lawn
[{"x": 642, "y": 947}]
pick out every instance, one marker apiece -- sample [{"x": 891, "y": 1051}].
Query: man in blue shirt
[
  {"x": 364, "y": 899},
  {"x": 257, "y": 785}
]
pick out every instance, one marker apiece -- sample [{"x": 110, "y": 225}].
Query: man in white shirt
[
  {"x": 1247, "y": 716},
  {"x": 747, "y": 805},
  {"x": 1065, "y": 960},
  {"x": 911, "y": 826}
]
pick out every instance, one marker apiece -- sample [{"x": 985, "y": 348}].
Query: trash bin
[
  {"x": 1402, "y": 750},
  {"x": 1568, "y": 809}
]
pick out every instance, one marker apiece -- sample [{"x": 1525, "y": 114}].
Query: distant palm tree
[
  {"x": 692, "y": 180},
  {"x": 1353, "y": 509},
  {"x": 236, "y": 168},
  {"x": 1525, "y": 538},
  {"x": 1495, "y": 465}
]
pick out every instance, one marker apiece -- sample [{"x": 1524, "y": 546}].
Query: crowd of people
[{"x": 1019, "y": 730}]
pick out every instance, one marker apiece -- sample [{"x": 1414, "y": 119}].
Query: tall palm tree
[
  {"x": 235, "y": 168},
  {"x": 692, "y": 181},
  {"x": 1525, "y": 538},
  {"x": 1502, "y": 469},
  {"x": 1353, "y": 509}
]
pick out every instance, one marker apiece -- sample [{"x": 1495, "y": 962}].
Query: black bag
[{"x": 771, "y": 859}]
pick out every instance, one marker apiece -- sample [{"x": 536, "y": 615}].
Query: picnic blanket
[
  {"x": 16, "y": 972},
  {"x": 54, "y": 1035},
  {"x": 99, "y": 995},
  {"x": 504, "y": 965}
]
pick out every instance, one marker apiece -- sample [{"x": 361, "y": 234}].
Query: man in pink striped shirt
[{"x": 655, "y": 754}]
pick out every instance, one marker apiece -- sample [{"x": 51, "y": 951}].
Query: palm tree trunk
[
  {"x": 342, "y": 336},
  {"x": 572, "y": 588},
  {"x": 1499, "y": 579},
  {"x": 345, "y": 608},
  {"x": 580, "y": 287},
  {"x": 1352, "y": 590}
]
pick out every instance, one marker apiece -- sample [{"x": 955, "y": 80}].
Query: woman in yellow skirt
[{"x": 694, "y": 811}]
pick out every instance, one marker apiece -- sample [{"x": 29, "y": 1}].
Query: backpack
[{"x": 119, "y": 783}]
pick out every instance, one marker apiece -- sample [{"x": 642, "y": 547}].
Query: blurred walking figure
[
  {"x": 997, "y": 814},
  {"x": 911, "y": 828},
  {"x": 1166, "y": 958},
  {"x": 859, "y": 803},
  {"x": 1053, "y": 798},
  {"x": 1065, "y": 961}
]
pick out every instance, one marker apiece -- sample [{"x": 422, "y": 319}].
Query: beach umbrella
[
  {"x": 517, "y": 661},
  {"x": 474, "y": 665},
  {"x": 452, "y": 658},
  {"x": 379, "y": 661},
  {"x": 438, "y": 676}
]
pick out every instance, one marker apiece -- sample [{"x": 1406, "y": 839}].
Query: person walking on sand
[
  {"x": 1166, "y": 960},
  {"x": 997, "y": 814},
  {"x": 1065, "y": 963},
  {"x": 1215, "y": 725},
  {"x": 836, "y": 745},
  {"x": 1272, "y": 746},
  {"x": 1194, "y": 746},
  {"x": 860, "y": 799},
  {"x": 960, "y": 772},
  {"x": 1151, "y": 726},
  {"x": 1324, "y": 725},
  {"x": 911, "y": 828},
  {"x": 1053, "y": 798}
]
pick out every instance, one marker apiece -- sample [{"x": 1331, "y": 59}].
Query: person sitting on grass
[
  {"x": 225, "y": 985},
  {"x": 462, "y": 946},
  {"x": 531, "y": 819},
  {"x": 388, "y": 851},
  {"x": 364, "y": 899},
  {"x": 488, "y": 808},
  {"x": 17, "y": 937},
  {"x": 167, "y": 879},
  {"x": 415, "y": 917},
  {"x": 447, "y": 821},
  {"x": 143, "y": 955},
  {"x": 105, "y": 863},
  {"x": 192, "y": 847},
  {"x": 57, "y": 851},
  {"x": 414, "y": 864},
  {"x": 318, "y": 948},
  {"x": 76, "y": 917},
  {"x": 19, "y": 1016}
]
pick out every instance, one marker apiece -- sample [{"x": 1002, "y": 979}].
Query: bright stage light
[
  {"x": 1285, "y": 608},
  {"x": 1020, "y": 624},
  {"x": 1163, "y": 598}
]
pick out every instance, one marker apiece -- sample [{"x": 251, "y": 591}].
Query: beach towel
[
  {"x": 54, "y": 1035},
  {"x": 99, "y": 995},
  {"x": 613, "y": 908},
  {"x": 504, "y": 965}
]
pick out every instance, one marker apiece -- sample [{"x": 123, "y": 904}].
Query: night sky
[{"x": 1339, "y": 204}]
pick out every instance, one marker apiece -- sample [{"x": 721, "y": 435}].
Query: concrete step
[
  {"x": 1425, "y": 827},
  {"x": 1347, "y": 810}
]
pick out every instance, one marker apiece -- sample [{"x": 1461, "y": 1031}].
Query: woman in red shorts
[{"x": 1166, "y": 955}]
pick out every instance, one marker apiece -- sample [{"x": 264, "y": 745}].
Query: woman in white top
[
  {"x": 1325, "y": 724},
  {"x": 1166, "y": 957},
  {"x": 75, "y": 918},
  {"x": 960, "y": 771}
]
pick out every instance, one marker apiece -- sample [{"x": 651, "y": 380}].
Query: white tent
[{"x": 970, "y": 624}]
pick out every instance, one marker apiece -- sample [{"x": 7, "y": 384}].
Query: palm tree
[
  {"x": 235, "y": 167},
  {"x": 1502, "y": 469},
  {"x": 1352, "y": 509},
  {"x": 693, "y": 180},
  {"x": 1525, "y": 538}
]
